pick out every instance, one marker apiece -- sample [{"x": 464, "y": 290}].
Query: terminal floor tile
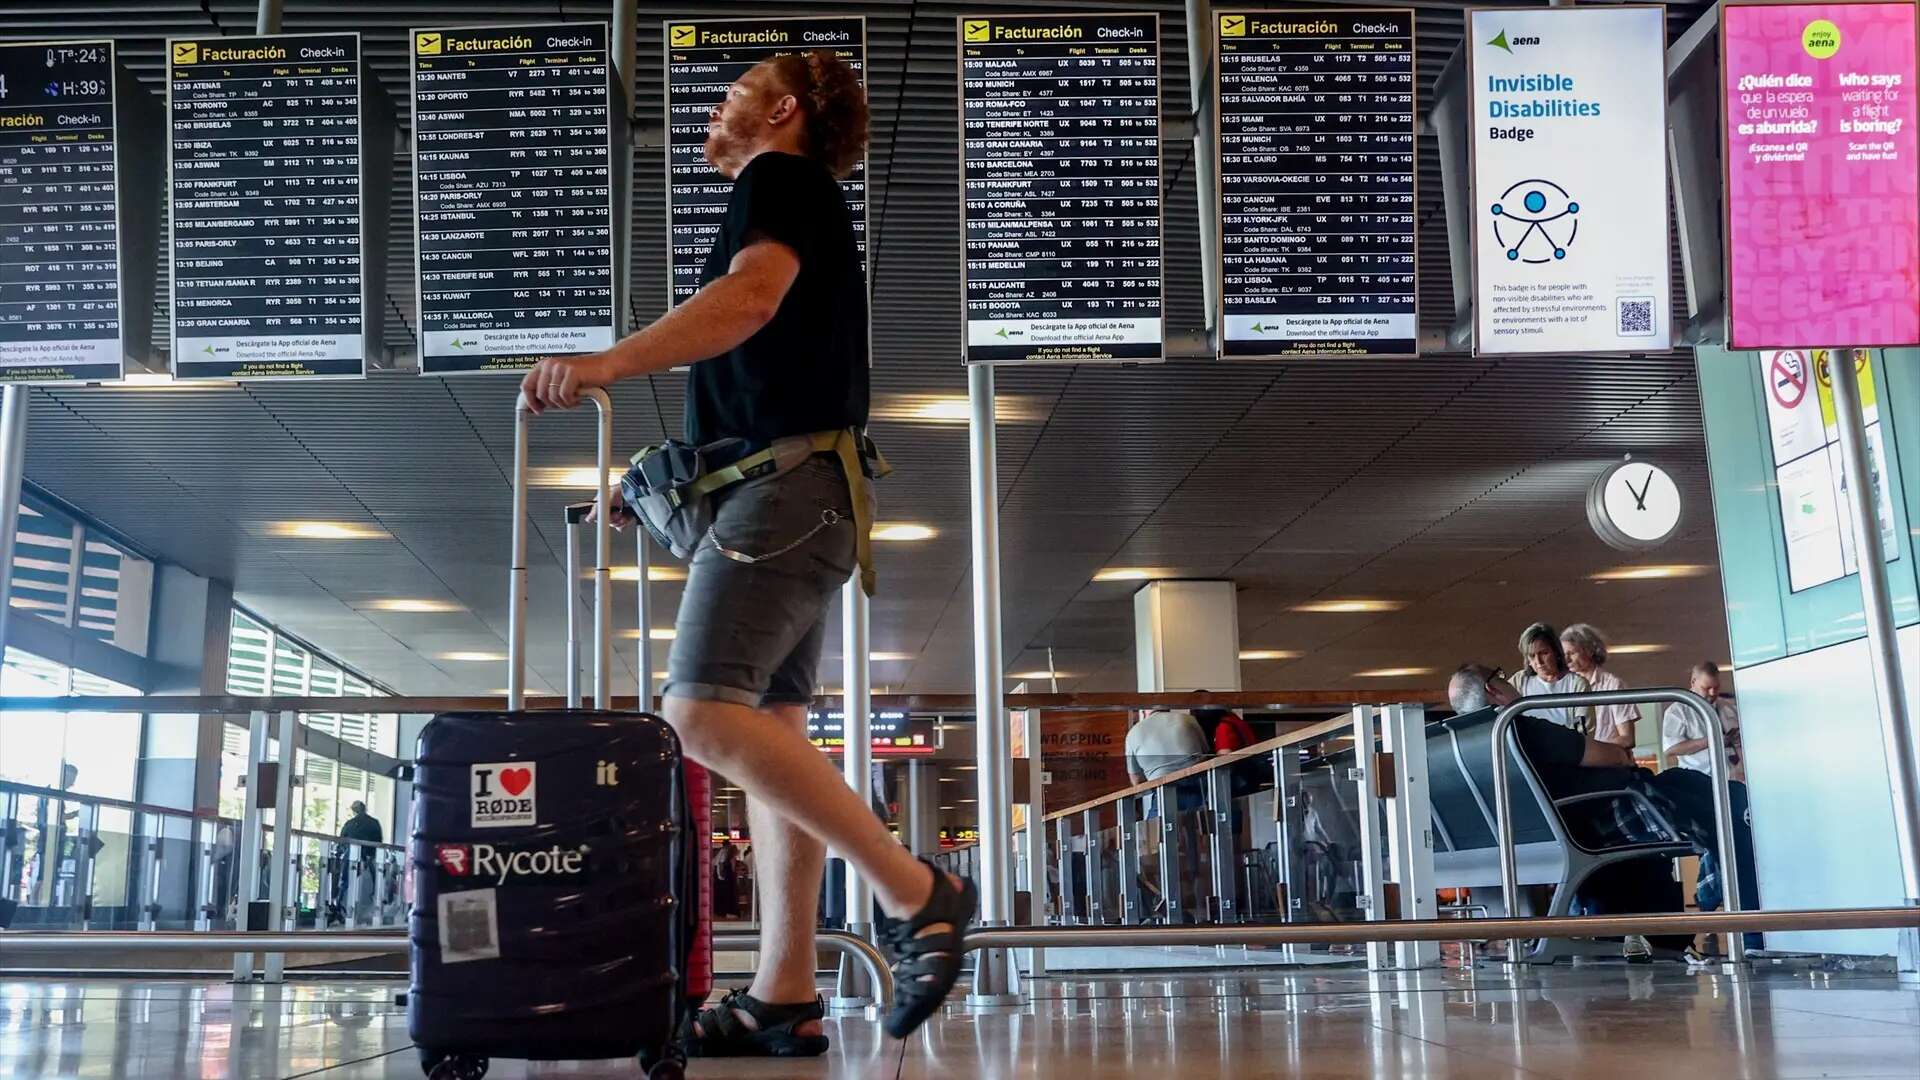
[{"x": 1603, "y": 1021}]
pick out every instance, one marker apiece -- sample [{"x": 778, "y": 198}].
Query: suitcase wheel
[
  {"x": 442, "y": 1066},
  {"x": 668, "y": 1069}
]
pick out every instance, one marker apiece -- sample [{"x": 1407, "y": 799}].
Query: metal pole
[
  {"x": 268, "y": 21},
  {"x": 1373, "y": 892},
  {"x": 283, "y": 842},
  {"x": 249, "y": 847},
  {"x": 602, "y": 552},
  {"x": 856, "y": 760},
  {"x": 13, "y": 468},
  {"x": 1410, "y": 826},
  {"x": 1199, "y": 76},
  {"x": 993, "y": 755},
  {"x": 1713, "y": 922},
  {"x": 642, "y": 557},
  {"x": 517, "y": 567},
  {"x": 573, "y": 516},
  {"x": 1722, "y": 796},
  {"x": 1883, "y": 648}
]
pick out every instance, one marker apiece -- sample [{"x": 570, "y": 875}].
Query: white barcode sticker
[{"x": 469, "y": 926}]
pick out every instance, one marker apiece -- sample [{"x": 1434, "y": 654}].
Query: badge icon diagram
[{"x": 1535, "y": 221}]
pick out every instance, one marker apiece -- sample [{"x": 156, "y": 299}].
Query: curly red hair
[{"x": 830, "y": 93}]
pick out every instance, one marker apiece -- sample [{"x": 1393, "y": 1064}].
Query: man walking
[{"x": 777, "y": 336}]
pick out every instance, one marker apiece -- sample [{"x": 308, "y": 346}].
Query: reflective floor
[{"x": 1603, "y": 1021}]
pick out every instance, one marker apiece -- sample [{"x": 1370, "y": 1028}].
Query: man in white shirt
[
  {"x": 1165, "y": 741},
  {"x": 1684, "y": 733}
]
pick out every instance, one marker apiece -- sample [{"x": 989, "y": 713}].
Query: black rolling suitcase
[{"x": 556, "y": 880}]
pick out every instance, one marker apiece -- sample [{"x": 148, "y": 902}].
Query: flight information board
[
  {"x": 513, "y": 164},
  {"x": 1060, "y": 187},
  {"x": 59, "y": 243},
  {"x": 1315, "y": 124},
  {"x": 703, "y": 58},
  {"x": 264, "y": 150}
]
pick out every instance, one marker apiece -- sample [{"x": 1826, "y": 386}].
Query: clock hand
[{"x": 1640, "y": 497}]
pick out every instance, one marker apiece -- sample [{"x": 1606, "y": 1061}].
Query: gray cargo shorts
[{"x": 754, "y": 613}]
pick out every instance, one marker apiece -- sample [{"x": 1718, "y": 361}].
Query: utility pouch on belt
[{"x": 670, "y": 487}]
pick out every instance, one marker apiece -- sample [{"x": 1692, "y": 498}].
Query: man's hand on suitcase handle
[
  {"x": 556, "y": 382},
  {"x": 618, "y": 515}
]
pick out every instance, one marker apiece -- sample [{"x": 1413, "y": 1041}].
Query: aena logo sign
[
  {"x": 1500, "y": 41},
  {"x": 504, "y": 866},
  {"x": 504, "y": 794}
]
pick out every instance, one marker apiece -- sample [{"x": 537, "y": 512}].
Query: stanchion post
[
  {"x": 250, "y": 844},
  {"x": 993, "y": 754},
  {"x": 1883, "y": 650},
  {"x": 1373, "y": 858},
  {"x": 283, "y": 841},
  {"x": 856, "y": 729},
  {"x": 1410, "y": 827}
]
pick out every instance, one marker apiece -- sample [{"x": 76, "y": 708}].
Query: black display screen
[
  {"x": 703, "y": 58},
  {"x": 1316, "y": 130},
  {"x": 513, "y": 177},
  {"x": 264, "y": 144},
  {"x": 59, "y": 234},
  {"x": 1060, "y": 169}
]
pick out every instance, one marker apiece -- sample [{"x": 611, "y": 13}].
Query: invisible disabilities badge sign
[
  {"x": 504, "y": 794},
  {"x": 1569, "y": 174}
]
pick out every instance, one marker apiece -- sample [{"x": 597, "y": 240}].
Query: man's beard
[{"x": 727, "y": 145}]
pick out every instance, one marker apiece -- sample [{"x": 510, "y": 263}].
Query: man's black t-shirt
[{"x": 806, "y": 370}]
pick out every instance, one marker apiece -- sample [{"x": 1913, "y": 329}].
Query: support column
[
  {"x": 283, "y": 841},
  {"x": 1410, "y": 827},
  {"x": 1883, "y": 650},
  {"x": 643, "y": 564},
  {"x": 1199, "y": 71},
  {"x": 13, "y": 469},
  {"x": 991, "y": 984},
  {"x": 1372, "y": 891},
  {"x": 250, "y": 840},
  {"x": 856, "y": 727},
  {"x": 267, "y": 21}
]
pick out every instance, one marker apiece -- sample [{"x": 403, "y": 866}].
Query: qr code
[
  {"x": 1636, "y": 316},
  {"x": 469, "y": 926}
]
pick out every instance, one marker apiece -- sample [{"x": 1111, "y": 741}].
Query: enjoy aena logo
[{"x": 503, "y": 794}]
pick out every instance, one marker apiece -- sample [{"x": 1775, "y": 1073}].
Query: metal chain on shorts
[{"x": 828, "y": 519}]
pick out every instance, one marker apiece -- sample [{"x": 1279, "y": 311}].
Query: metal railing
[{"x": 1722, "y": 792}]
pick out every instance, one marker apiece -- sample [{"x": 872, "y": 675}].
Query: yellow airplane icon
[
  {"x": 683, "y": 37},
  {"x": 1233, "y": 26},
  {"x": 186, "y": 52},
  {"x": 979, "y": 30},
  {"x": 426, "y": 44}
]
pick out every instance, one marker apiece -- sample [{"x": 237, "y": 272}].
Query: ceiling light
[
  {"x": 965, "y": 768},
  {"x": 1271, "y": 654},
  {"x": 952, "y": 408},
  {"x": 1349, "y": 607},
  {"x": 901, "y": 531},
  {"x": 1039, "y": 675},
  {"x": 654, "y": 573},
  {"x": 1635, "y": 650},
  {"x": 325, "y": 530},
  {"x": 1647, "y": 573},
  {"x": 412, "y": 607},
  {"x": 658, "y": 633},
  {"x": 949, "y": 808},
  {"x": 884, "y": 657},
  {"x": 949, "y": 779},
  {"x": 965, "y": 801},
  {"x": 1392, "y": 672},
  {"x": 1133, "y": 573},
  {"x": 586, "y": 477},
  {"x": 473, "y": 657}
]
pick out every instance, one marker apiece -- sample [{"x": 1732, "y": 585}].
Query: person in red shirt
[{"x": 1229, "y": 731}]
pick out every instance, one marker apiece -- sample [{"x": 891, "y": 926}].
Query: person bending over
[{"x": 777, "y": 336}]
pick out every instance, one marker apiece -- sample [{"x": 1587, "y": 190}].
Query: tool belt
[{"x": 670, "y": 487}]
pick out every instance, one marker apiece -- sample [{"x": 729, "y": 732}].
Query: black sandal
[
  {"x": 925, "y": 968},
  {"x": 721, "y": 1032}
]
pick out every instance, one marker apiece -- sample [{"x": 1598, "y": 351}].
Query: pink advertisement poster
[{"x": 1823, "y": 181}]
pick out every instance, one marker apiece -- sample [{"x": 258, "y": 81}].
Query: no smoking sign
[{"x": 1787, "y": 378}]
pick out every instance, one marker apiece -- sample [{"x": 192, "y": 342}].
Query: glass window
[
  {"x": 90, "y": 753},
  {"x": 68, "y": 574}
]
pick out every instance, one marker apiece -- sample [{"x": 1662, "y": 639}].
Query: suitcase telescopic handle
[{"x": 602, "y": 573}]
